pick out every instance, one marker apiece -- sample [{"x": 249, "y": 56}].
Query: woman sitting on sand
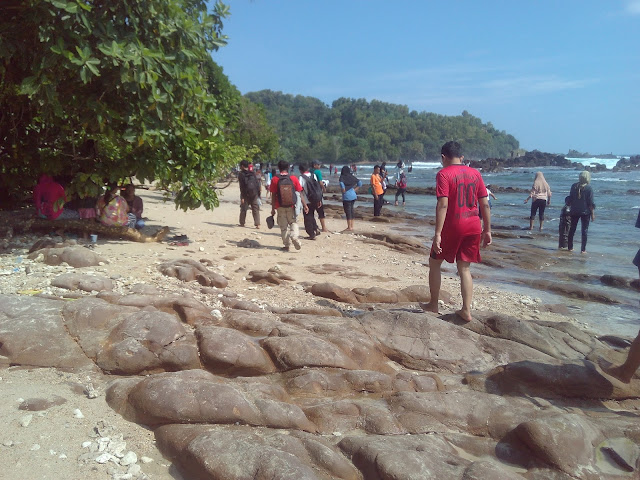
[
  {"x": 582, "y": 208},
  {"x": 349, "y": 185},
  {"x": 49, "y": 198},
  {"x": 111, "y": 208},
  {"x": 541, "y": 195}
]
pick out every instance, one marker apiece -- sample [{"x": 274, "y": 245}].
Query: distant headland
[{"x": 535, "y": 158}]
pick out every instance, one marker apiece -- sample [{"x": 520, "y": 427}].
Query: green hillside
[{"x": 353, "y": 130}]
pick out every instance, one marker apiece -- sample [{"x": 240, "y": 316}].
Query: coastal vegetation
[
  {"x": 100, "y": 91},
  {"x": 356, "y": 130}
]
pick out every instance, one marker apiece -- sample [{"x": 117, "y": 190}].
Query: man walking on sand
[
  {"x": 283, "y": 190},
  {"x": 458, "y": 235},
  {"x": 249, "y": 194}
]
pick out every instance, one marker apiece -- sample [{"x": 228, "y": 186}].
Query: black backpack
[
  {"x": 313, "y": 190},
  {"x": 286, "y": 191},
  {"x": 252, "y": 187}
]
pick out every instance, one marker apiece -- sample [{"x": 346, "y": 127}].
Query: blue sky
[{"x": 556, "y": 74}]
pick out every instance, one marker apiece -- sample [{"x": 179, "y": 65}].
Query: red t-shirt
[
  {"x": 463, "y": 186},
  {"x": 273, "y": 188}
]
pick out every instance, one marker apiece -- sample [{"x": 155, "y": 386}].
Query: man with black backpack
[
  {"x": 312, "y": 194},
  {"x": 249, "y": 194},
  {"x": 283, "y": 190}
]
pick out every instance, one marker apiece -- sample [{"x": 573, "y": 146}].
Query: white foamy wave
[
  {"x": 609, "y": 162},
  {"x": 609, "y": 179},
  {"x": 425, "y": 165}
]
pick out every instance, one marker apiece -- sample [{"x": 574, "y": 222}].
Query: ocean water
[{"x": 613, "y": 239}]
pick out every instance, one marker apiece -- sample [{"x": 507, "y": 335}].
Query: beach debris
[{"x": 25, "y": 421}]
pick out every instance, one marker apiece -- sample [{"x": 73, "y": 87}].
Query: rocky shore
[{"x": 221, "y": 357}]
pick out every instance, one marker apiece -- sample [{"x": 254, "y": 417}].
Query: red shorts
[{"x": 455, "y": 247}]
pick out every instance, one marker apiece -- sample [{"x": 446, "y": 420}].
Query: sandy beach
[{"x": 60, "y": 440}]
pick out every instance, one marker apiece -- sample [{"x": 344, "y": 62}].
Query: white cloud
[
  {"x": 535, "y": 84},
  {"x": 633, "y": 7}
]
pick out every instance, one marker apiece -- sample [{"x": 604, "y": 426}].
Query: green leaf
[
  {"x": 29, "y": 86},
  {"x": 91, "y": 66}
]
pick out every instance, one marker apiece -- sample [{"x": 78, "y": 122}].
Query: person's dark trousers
[
  {"x": 377, "y": 206},
  {"x": 584, "y": 225},
  {"x": 255, "y": 211},
  {"x": 310, "y": 225},
  {"x": 400, "y": 191},
  {"x": 563, "y": 231},
  {"x": 348, "y": 206}
]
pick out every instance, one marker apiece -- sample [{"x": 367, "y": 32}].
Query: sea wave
[
  {"x": 425, "y": 165},
  {"x": 610, "y": 179},
  {"x": 608, "y": 162}
]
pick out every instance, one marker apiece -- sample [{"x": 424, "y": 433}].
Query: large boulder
[
  {"x": 346, "y": 334},
  {"x": 148, "y": 342},
  {"x": 475, "y": 413},
  {"x": 84, "y": 282},
  {"x": 566, "y": 442},
  {"x": 575, "y": 379},
  {"x": 329, "y": 382},
  {"x": 333, "y": 292},
  {"x": 33, "y": 333},
  {"x": 272, "y": 277},
  {"x": 189, "y": 270},
  {"x": 297, "y": 351},
  {"x": 74, "y": 256},
  {"x": 369, "y": 415},
  {"x": 425, "y": 342},
  {"x": 197, "y": 396},
  {"x": 90, "y": 322},
  {"x": 236, "y": 453},
  {"x": 228, "y": 351},
  {"x": 404, "y": 457},
  {"x": 255, "y": 323},
  {"x": 188, "y": 309},
  {"x": 560, "y": 340}
]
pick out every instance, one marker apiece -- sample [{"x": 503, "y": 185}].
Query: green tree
[
  {"x": 374, "y": 131},
  {"x": 101, "y": 90}
]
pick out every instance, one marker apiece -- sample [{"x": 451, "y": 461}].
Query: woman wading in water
[{"x": 541, "y": 195}]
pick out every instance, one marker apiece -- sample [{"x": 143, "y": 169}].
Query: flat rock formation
[{"x": 250, "y": 392}]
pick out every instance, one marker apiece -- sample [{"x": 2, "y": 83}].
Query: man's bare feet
[
  {"x": 258, "y": 226},
  {"x": 464, "y": 315},
  {"x": 617, "y": 372},
  {"x": 348, "y": 230},
  {"x": 429, "y": 307},
  {"x": 326, "y": 230}
]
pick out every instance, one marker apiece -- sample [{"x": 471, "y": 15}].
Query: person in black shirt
[{"x": 582, "y": 209}]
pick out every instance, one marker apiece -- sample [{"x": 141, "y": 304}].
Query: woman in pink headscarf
[
  {"x": 49, "y": 198},
  {"x": 541, "y": 195}
]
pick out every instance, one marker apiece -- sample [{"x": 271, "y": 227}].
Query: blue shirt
[{"x": 349, "y": 194}]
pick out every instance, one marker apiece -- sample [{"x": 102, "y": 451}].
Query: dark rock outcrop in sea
[
  {"x": 626, "y": 164},
  {"x": 531, "y": 159},
  {"x": 315, "y": 393}
]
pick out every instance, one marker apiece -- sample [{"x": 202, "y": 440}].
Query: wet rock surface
[{"x": 253, "y": 391}]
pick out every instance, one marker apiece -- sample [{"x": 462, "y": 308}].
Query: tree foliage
[
  {"x": 100, "y": 90},
  {"x": 357, "y": 130}
]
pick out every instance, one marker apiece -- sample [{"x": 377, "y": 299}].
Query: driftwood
[{"x": 20, "y": 223}]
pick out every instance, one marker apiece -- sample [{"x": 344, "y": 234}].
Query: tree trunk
[{"x": 17, "y": 224}]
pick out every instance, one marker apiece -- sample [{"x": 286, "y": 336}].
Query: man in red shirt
[
  {"x": 461, "y": 192},
  {"x": 286, "y": 214}
]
